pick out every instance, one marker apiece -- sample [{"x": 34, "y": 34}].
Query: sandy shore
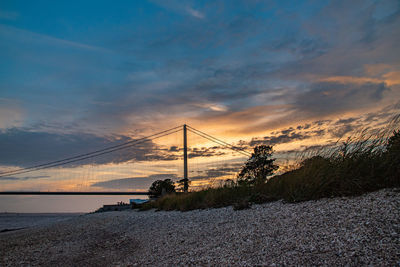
[{"x": 342, "y": 231}]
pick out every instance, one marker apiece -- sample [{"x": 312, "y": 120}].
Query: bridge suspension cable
[
  {"x": 123, "y": 146},
  {"x": 218, "y": 141},
  {"x": 92, "y": 154}
]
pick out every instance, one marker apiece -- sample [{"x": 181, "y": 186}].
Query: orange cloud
[
  {"x": 392, "y": 78},
  {"x": 374, "y": 73},
  {"x": 376, "y": 69}
]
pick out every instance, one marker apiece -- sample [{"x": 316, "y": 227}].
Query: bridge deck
[{"x": 70, "y": 193}]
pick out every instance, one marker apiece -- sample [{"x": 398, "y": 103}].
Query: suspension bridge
[{"x": 155, "y": 156}]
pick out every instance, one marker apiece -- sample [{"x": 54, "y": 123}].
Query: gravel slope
[{"x": 342, "y": 231}]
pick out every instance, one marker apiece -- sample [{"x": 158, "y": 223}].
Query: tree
[
  {"x": 160, "y": 187},
  {"x": 181, "y": 185},
  {"x": 258, "y": 166}
]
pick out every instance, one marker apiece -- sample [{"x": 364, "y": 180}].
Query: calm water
[{"x": 57, "y": 204}]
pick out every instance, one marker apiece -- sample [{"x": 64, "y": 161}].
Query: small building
[{"x": 137, "y": 201}]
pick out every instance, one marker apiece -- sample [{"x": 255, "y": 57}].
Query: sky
[{"x": 76, "y": 76}]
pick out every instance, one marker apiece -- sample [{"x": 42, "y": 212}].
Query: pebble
[{"x": 338, "y": 231}]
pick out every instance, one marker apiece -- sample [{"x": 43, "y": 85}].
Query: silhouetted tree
[
  {"x": 160, "y": 187},
  {"x": 258, "y": 166},
  {"x": 181, "y": 185}
]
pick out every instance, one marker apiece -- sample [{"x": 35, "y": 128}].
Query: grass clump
[
  {"x": 242, "y": 205},
  {"x": 357, "y": 166},
  {"x": 207, "y": 198}
]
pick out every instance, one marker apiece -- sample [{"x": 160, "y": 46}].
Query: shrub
[
  {"x": 160, "y": 187},
  {"x": 259, "y": 198},
  {"x": 241, "y": 205}
]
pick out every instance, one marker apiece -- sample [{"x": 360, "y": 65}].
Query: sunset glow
[{"x": 290, "y": 75}]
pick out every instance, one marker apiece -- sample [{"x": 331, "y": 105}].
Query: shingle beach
[{"x": 354, "y": 231}]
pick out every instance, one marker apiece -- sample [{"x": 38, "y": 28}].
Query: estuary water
[{"x": 59, "y": 203}]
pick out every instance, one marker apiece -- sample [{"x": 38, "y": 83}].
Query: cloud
[
  {"x": 195, "y": 13},
  {"x": 390, "y": 78},
  {"x": 332, "y": 97},
  {"x": 231, "y": 65},
  {"x": 11, "y": 178},
  {"x": 345, "y": 121},
  {"x": 180, "y": 8},
  {"x": 340, "y": 131},
  {"x": 228, "y": 169},
  {"x": 11, "y": 113},
  {"x": 279, "y": 139},
  {"x": 205, "y": 152},
  {"x": 316, "y": 130},
  {"x": 248, "y": 68},
  {"x": 13, "y": 33},
  {"x": 26, "y": 148},
  {"x": 133, "y": 182}
]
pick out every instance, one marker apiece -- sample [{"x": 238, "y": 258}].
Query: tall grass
[
  {"x": 367, "y": 161},
  {"x": 206, "y": 198}
]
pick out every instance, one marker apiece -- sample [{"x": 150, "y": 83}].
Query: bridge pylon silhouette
[{"x": 112, "y": 149}]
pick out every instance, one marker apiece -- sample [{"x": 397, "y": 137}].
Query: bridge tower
[{"x": 185, "y": 161}]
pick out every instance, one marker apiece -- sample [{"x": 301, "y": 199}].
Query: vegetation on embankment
[{"x": 369, "y": 162}]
